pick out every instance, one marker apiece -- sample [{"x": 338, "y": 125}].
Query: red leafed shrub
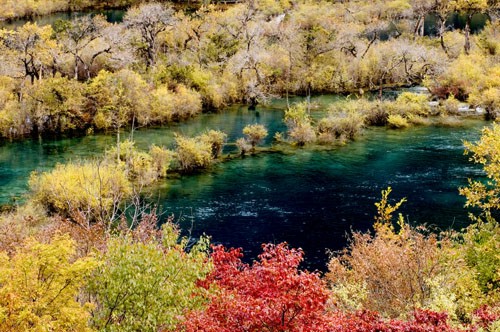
[
  {"x": 486, "y": 316},
  {"x": 273, "y": 295},
  {"x": 269, "y": 295}
]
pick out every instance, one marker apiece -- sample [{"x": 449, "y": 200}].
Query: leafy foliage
[
  {"x": 90, "y": 191},
  {"x": 147, "y": 285},
  {"x": 39, "y": 286},
  {"x": 271, "y": 294}
]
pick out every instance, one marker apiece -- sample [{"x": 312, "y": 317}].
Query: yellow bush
[
  {"x": 174, "y": 106},
  {"x": 216, "y": 139},
  {"x": 89, "y": 190},
  {"x": 341, "y": 125},
  {"x": 193, "y": 153},
  {"x": 412, "y": 103},
  {"x": 161, "y": 159},
  {"x": 39, "y": 287},
  {"x": 396, "y": 121},
  {"x": 255, "y": 134}
]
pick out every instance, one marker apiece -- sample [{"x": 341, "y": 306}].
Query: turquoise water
[
  {"x": 112, "y": 15},
  {"x": 309, "y": 198}
]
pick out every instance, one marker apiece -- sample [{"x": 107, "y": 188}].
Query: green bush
[{"x": 147, "y": 285}]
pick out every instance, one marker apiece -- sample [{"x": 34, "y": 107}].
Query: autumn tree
[
  {"x": 255, "y": 134},
  {"x": 149, "y": 21},
  {"x": 82, "y": 35},
  {"x": 272, "y": 294},
  {"x": 481, "y": 238},
  {"x": 55, "y": 105},
  {"x": 120, "y": 99},
  {"x": 27, "y": 47},
  {"x": 39, "y": 287},
  {"x": 486, "y": 152},
  {"x": 469, "y": 8}
]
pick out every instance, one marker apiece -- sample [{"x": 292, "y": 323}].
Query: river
[{"x": 309, "y": 198}]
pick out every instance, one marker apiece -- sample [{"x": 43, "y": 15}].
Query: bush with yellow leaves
[{"x": 91, "y": 191}]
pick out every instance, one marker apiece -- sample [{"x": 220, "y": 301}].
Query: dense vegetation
[
  {"x": 84, "y": 252},
  {"x": 163, "y": 65}
]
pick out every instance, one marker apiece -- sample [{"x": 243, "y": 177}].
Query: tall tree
[
  {"x": 469, "y": 8},
  {"x": 29, "y": 47},
  {"x": 120, "y": 99},
  {"x": 149, "y": 20},
  {"x": 79, "y": 35}
]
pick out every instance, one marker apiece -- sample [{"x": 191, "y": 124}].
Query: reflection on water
[{"x": 307, "y": 198}]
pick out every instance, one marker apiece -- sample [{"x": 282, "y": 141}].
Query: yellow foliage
[
  {"x": 92, "y": 190},
  {"x": 193, "y": 153},
  {"x": 409, "y": 103},
  {"x": 396, "y": 121},
  {"x": 174, "y": 106},
  {"x": 486, "y": 152},
  {"x": 255, "y": 134},
  {"x": 39, "y": 285},
  {"x": 385, "y": 209}
]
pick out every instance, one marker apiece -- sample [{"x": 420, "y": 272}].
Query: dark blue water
[
  {"x": 309, "y": 198},
  {"x": 312, "y": 199}
]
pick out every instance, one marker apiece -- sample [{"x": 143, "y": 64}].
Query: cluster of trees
[
  {"x": 162, "y": 65},
  {"x": 81, "y": 269}
]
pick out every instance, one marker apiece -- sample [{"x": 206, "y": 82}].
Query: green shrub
[{"x": 147, "y": 285}]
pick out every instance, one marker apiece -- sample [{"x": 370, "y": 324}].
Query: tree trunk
[
  {"x": 118, "y": 145},
  {"x": 467, "y": 34},
  {"x": 442, "y": 29},
  {"x": 76, "y": 67}
]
